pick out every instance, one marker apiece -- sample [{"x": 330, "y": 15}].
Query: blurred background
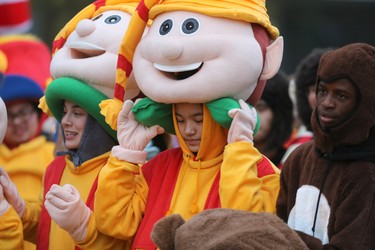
[{"x": 304, "y": 24}]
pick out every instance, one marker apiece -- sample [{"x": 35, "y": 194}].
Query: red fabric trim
[
  {"x": 143, "y": 11},
  {"x": 124, "y": 64},
  {"x": 14, "y": 13},
  {"x": 53, "y": 176},
  {"x": 128, "y": 68},
  {"x": 265, "y": 167},
  {"x": 58, "y": 44},
  {"x": 99, "y": 4},
  {"x": 213, "y": 198},
  {"x": 121, "y": 61},
  {"x": 119, "y": 92}
]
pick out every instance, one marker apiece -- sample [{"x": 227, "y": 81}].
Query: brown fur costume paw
[{"x": 225, "y": 229}]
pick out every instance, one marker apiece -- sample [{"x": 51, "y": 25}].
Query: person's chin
[{"x": 328, "y": 122}]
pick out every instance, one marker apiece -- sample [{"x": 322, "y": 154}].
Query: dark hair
[
  {"x": 305, "y": 76},
  {"x": 37, "y": 110},
  {"x": 276, "y": 95}
]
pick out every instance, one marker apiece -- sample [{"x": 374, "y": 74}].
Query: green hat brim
[{"x": 88, "y": 98}]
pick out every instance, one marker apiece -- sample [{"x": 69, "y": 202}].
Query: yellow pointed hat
[{"x": 251, "y": 11}]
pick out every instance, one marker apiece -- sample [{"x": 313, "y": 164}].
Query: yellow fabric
[
  {"x": 110, "y": 109},
  {"x": 251, "y": 11},
  {"x": 43, "y": 106},
  {"x": 26, "y": 165},
  {"x": 121, "y": 198},
  {"x": 198, "y": 172},
  {"x": 11, "y": 236},
  {"x": 3, "y": 62},
  {"x": 18, "y": 38},
  {"x": 183, "y": 201},
  {"x": 240, "y": 187},
  {"x": 82, "y": 178}
]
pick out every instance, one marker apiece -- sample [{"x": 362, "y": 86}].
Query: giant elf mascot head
[
  {"x": 200, "y": 52},
  {"x": 87, "y": 49}
]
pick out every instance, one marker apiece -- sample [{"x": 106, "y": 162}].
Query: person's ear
[{"x": 274, "y": 55}]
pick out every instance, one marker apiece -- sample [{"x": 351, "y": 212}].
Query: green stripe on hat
[{"x": 85, "y": 96}]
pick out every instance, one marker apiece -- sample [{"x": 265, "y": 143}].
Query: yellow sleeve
[
  {"x": 11, "y": 236},
  {"x": 30, "y": 218},
  {"x": 120, "y": 199},
  {"x": 97, "y": 240},
  {"x": 240, "y": 186}
]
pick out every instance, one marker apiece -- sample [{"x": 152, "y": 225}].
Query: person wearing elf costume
[
  {"x": 63, "y": 218},
  {"x": 210, "y": 53},
  {"x": 26, "y": 151},
  {"x": 81, "y": 45}
]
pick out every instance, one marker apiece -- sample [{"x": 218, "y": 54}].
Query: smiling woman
[{"x": 73, "y": 124}]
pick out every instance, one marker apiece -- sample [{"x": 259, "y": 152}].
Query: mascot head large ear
[{"x": 164, "y": 231}]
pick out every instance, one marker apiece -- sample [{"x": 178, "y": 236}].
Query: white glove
[
  {"x": 65, "y": 207},
  {"x": 11, "y": 193},
  {"x": 243, "y": 124},
  {"x": 4, "y": 205},
  {"x": 133, "y": 136}
]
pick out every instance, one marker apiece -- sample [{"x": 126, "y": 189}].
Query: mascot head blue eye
[
  {"x": 166, "y": 27},
  {"x": 112, "y": 19},
  {"x": 190, "y": 26}
]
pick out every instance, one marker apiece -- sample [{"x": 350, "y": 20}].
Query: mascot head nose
[{"x": 85, "y": 27}]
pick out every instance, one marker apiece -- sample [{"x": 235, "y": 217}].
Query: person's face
[
  {"x": 190, "y": 122},
  {"x": 311, "y": 96},
  {"x": 266, "y": 118},
  {"x": 23, "y": 123},
  {"x": 190, "y": 57},
  {"x": 335, "y": 100},
  {"x": 73, "y": 123}
]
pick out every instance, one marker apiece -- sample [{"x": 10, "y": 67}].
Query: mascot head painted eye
[
  {"x": 112, "y": 19},
  {"x": 165, "y": 27},
  {"x": 190, "y": 26}
]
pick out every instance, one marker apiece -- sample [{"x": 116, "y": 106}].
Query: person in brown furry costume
[{"x": 327, "y": 188}]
